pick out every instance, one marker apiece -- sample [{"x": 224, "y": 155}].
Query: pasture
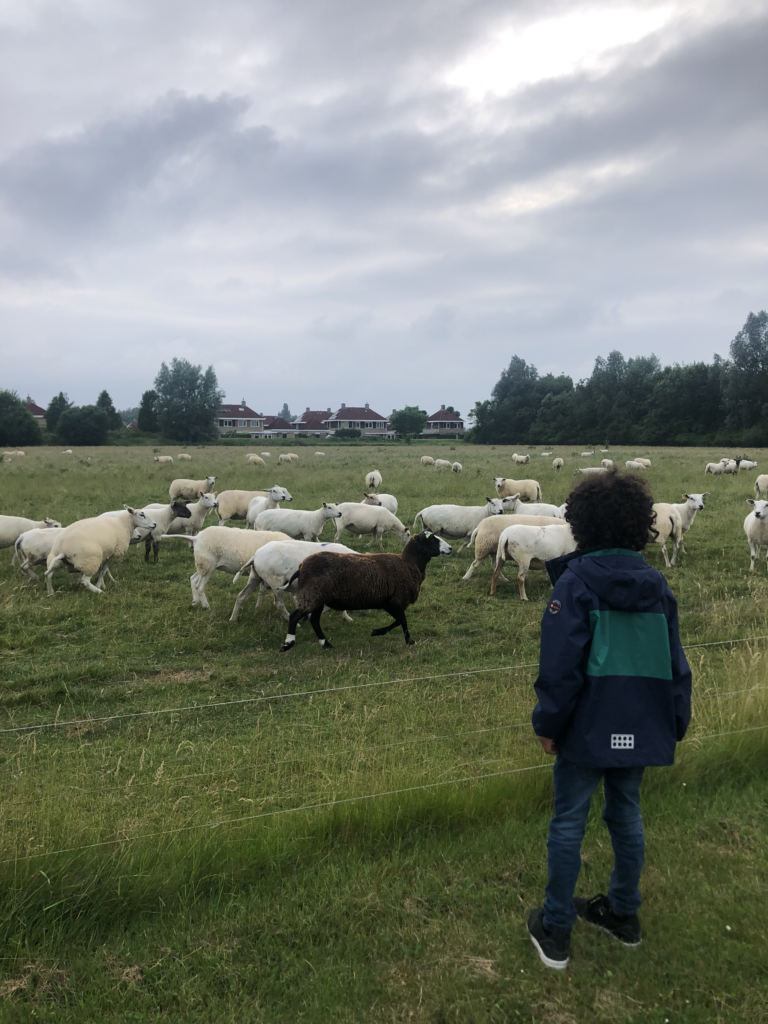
[{"x": 154, "y": 865}]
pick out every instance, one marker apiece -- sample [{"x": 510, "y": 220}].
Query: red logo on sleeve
[{"x": 554, "y": 607}]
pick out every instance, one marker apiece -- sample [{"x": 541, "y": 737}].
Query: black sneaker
[
  {"x": 597, "y": 911},
  {"x": 553, "y": 947}
]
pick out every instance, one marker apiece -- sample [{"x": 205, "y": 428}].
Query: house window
[{"x": 226, "y": 423}]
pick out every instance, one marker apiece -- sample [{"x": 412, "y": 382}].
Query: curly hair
[{"x": 611, "y": 510}]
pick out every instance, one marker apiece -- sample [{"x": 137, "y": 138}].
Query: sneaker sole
[
  {"x": 601, "y": 928},
  {"x": 557, "y": 965}
]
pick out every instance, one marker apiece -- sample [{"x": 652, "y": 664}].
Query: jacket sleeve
[
  {"x": 681, "y": 671},
  {"x": 565, "y": 636}
]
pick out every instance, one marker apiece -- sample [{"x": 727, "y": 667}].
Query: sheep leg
[
  {"x": 262, "y": 592},
  {"x": 314, "y": 621},
  {"x": 471, "y": 570},
  {"x": 156, "y": 549},
  {"x": 754, "y": 551},
  {"x": 85, "y": 581},
  {"x": 147, "y": 547},
  {"x": 243, "y": 595},
  {"x": 347, "y": 617},
  {"x": 58, "y": 560},
  {"x": 102, "y": 573},
  {"x": 496, "y": 573},
  {"x": 465, "y": 544},
  {"x": 399, "y": 620},
  {"x": 521, "y": 573},
  {"x": 663, "y": 546},
  {"x": 294, "y": 620}
]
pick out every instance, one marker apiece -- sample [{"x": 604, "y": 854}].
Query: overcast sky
[{"x": 343, "y": 201}]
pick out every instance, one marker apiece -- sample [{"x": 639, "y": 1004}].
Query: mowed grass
[{"x": 404, "y": 907}]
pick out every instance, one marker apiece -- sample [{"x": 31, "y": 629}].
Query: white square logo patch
[{"x": 622, "y": 741}]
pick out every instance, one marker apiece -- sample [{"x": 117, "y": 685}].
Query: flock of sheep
[{"x": 280, "y": 548}]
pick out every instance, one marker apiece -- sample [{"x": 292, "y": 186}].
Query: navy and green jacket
[{"x": 614, "y": 686}]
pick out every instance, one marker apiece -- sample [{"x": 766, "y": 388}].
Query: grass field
[{"x": 406, "y": 907}]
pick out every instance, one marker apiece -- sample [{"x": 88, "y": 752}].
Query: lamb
[
  {"x": 234, "y": 504},
  {"x": 687, "y": 511},
  {"x": 557, "y": 463},
  {"x": 388, "y": 501},
  {"x": 12, "y": 527},
  {"x": 521, "y": 460},
  {"x": 761, "y": 485},
  {"x": 184, "y": 455},
  {"x": 163, "y": 517},
  {"x": 273, "y": 498},
  {"x": 274, "y": 565},
  {"x": 585, "y": 470},
  {"x": 389, "y": 582},
  {"x": 458, "y": 521},
  {"x": 644, "y": 462},
  {"x": 457, "y": 467},
  {"x": 606, "y": 463},
  {"x": 255, "y": 460},
  {"x": 715, "y": 468},
  {"x": 367, "y": 519},
  {"x": 218, "y": 547},
  {"x": 373, "y": 480},
  {"x": 667, "y": 523},
  {"x": 197, "y": 513},
  {"x": 534, "y": 508},
  {"x": 190, "y": 489},
  {"x": 298, "y": 523},
  {"x": 443, "y": 463},
  {"x": 756, "y": 529},
  {"x": 164, "y": 459},
  {"x": 32, "y": 548},
  {"x": 528, "y": 490},
  {"x": 427, "y": 460},
  {"x": 91, "y": 546},
  {"x": 747, "y": 464},
  {"x": 486, "y": 536},
  {"x": 634, "y": 464},
  {"x": 732, "y": 467},
  {"x": 531, "y": 547}
]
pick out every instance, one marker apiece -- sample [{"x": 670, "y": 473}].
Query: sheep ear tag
[{"x": 427, "y": 533}]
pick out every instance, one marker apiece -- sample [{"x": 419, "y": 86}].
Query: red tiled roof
[
  {"x": 277, "y": 423},
  {"x": 35, "y": 409},
  {"x": 242, "y": 411},
  {"x": 354, "y": 413},
  {"x": 313, "y": 420},
  {"x": 445, "y": 414}
]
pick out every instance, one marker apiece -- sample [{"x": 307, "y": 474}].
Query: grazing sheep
[
  {"x": 320, "y": 453},
  {"x": 373, "y": 480},
  {"x": 687, "y": 511},
  {"x": 533, "y": 508},
  {"x": 266, "y": 455},
  {"x": 443, "y": 463},
  {"x": 667, "y": 523},
  {"x": 298, "y": 523},
  {"x": 486, "y": 536},
  {"x": 284, "y": 458},
  {"x": 634, "y": 464},
  {"x": 234, "y": 504},
  {"x": 184, "y": 456},
  {"x": 557, "y": 463},
  {"x": 521, "y": 460},
  {"x": 586, "y": 470},
  {"x": 32, "y": 548},
  {"x": 427, "y": 460},
  {"x": 756, "y": 529},
  {"x": 528, "y": 490},
  {"x": 255, "y": 460},
  {"x": 274, "y": 566},
  {"x": 761, "y": 485},
  {"x": 257, "y": 505},
  {"x": 365, "y": 519},
  {"x": 91, "y": 546},
  {"x": 348, "y": 582},
  {"x": 218, "y": 547},
  {"x": 20, "y": 453},
  {"x": 606, "y": 463},
  {"x": 584, "y": 455},
  {"x": 197, "y": 513},
  {"x": 458, "y": 521},
  {"x": 747, "y": 464},
  {"x": 163, "y": 516},
  {"x": 294, "y": 457},
  {"x": 457, "y": 467},
  {"x": 67, "y": 452},
  {"x": 732, "y": 467},
  {"x": 530, "y": 547},
  {"x": 190, "y": 490},
  {"x": 715, "y": 468},
  {"x": 644, "y": 462},
  {"x": 387, "y": 501},
  {"x": 164, "y": 459},
  {"x": 12, "y": 527},
  {"x": 545, "y": 453}
]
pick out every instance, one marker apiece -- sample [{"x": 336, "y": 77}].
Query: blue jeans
[{"x": 574, "y": 786}]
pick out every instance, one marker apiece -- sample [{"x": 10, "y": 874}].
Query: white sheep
[
  {"x": 284, "y": 458},
  {"x": 586, "y": 470},
  {"x": 373, "y": 480},
  {"x": 427, "y": 460},
  {"x": 485, "y": 537},
  {"x": 634, "y": 464},
  {"x": 521, "y": 460},
  {"x": 164, "y": 459},
  {"x": 533, "y": 508},
  {"x": 457, "y": 467},
  {"x": 543, "y": 454},
  {"x": 266, "y": 455},
  {"x": 388, "y": 501},
  {"x": 300, "y": 524},
  {"x": 687, "y": 511},
  {"x": 255, "y": 460},
  {"x": 584, "y": 455},
  {"x": 164, "y": 516},
  {"x": 459, "y": 521},
  {"x": 756, "y": 529},
  {"x": 528, "y": 490},
  {"x": 320, "y": 453},
  {"x": 443, "y": 463},
  {"x": 557, "y": 463},
  {"x": 667, "y": 523},
  {"x": 606, "y": 463},
  {"x": 257, "y": 505},
  {"x": 747, "y": 464},
  {"x": 761, "y": 485},
  {"x": 12, "y": 527},
  {"x": 273, "y": 567},
  {"x": 732, "y": 467},
  {"x": 183, "y": 455},
  {"x": 715, "y": 468},
  {"x": 91, "y": 546},
  {"x": 234, "y": 504},
  {"x": 190, "y": 490},
  {"x": 67, "y": 452},
  {"x": 218, "y": 547},
  {"x": 32, "y": 548},
  {"x": 197, "y": 513},
  {"x": 20, "y": 453},
  {"x": 368, "y": 520},
  {"x": 643, "y": 462},
  {"x": 531, "y": 547}
]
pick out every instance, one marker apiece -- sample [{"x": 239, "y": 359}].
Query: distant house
[
  {"x": 240, "y": 418},
  {"x": 313, "y": 421},
  {"x": 36, "y": 411},
  {"x": 371, "y": 423},
  {"x": 133, "y": 425},
  {"x": 442, "y": 421},
  {"x": 276, "y": 426}
]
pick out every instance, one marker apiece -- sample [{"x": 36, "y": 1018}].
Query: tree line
[{"x": 636, "y": 400}]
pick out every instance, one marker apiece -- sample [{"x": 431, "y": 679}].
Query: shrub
[{"x": 17, "y": 425}]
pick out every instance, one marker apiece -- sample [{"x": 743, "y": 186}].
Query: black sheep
[{"x": 389, "y": 582}]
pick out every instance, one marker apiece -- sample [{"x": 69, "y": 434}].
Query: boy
[{"x": 614, "y": 692}]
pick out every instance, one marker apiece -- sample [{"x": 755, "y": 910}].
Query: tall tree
[
  {"x": 17, "y": 424},
  {"x": 285, "y": 413},
  {"x": 84, "y": 425},
  {"x": 187, "y": 401},
  {"x": 147, "y": 417},
  {"x": 56, "y": 407},
  {"x": 105, "y": 402},
  {"x": 408, "y": 421},
  {"x": 747, "y": 386}
]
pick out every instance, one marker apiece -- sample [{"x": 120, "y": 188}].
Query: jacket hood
[{"x": 620, "y": 577}]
